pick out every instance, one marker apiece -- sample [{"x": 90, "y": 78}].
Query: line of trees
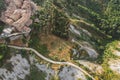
[
  {"x": 105, "y": 15},
  {"x": 111, "y": 25}
]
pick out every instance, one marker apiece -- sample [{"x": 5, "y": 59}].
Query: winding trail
[{"x": 51, "y": 61}]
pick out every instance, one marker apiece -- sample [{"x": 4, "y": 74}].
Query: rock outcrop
[
  {"x": 18, "y": 13},
  {"x": 114, "y": 65}
]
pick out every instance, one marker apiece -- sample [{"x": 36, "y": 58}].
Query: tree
[
  {"x": 61, "y": 21},
  {"x": 2, "y": 5},
  {"x": 112, "y": 24},
  {"x": 3, "y": 51}
]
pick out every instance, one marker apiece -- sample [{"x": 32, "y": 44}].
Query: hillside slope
[{"x": 81, "y": 32}]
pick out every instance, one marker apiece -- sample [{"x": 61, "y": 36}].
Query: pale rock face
[
  {"x": 93, "y": 67},
  {"x": 18, "y": 13},
  {"x": 117, "y": 53},
  {"x": 114, "y": 65}
]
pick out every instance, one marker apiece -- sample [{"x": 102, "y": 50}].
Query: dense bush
[
  {"x": 92, "y": 11},
  {"x": 39, "y": 2},
  {"x": 61, "y": 23},
  {"x": 1, "y": 28},
  {"x": 51, "y": 20},
  {"x": 111, "y": 25},
  {"x": 56, "y": 20},
  {"x": 36, "y": 74},
  {"x": 4, "y": 51},
  {"x": 2, "y": 5},
  {"x": 36, "y": 44}
]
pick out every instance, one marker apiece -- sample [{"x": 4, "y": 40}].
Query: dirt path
[{"x": 51, "y": 61}]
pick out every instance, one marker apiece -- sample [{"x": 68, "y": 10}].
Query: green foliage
[
  {"x": 108, "y": 54},
  {"x": 40, "y": 27},
  {"x": 82, "y": 8},
  {"x": 3, "y": 51},
  {"x": 60, "y": 24},
  {"x": 109, "y": 75},
  {"x": 56, "y": 77},
  {"x": 37, "y": 26},
  {"x": 57, "y": 22},
  {"x": 112, "y": 24},
  {"x": 71, "y": 5},
  {"x": 2, "y": 5},
  {"x": 94, "y": 5},
  {"x": 35, "y": 74},
  {"x": 51, "y": 20},
  {"x": 35, "y": 43},
  {"x": 89, "y": 11},
  {"x": 90, "y": 15},
  {"x": 108, "y": 23},
  {"x": 1, "y": 26},
  {"x": 24, "y": 40},
  {"x": 38, "y": 2},
  {"x": 92, "y": 11}
]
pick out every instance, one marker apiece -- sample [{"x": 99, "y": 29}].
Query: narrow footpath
[{"x": 51, "y": 61}]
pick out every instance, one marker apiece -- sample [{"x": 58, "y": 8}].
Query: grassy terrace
[{"x": 109, "y": 54}]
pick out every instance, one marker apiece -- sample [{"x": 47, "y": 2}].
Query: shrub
[{"x": 2, "y": 5}]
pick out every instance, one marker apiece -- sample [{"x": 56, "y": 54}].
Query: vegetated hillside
[
  {"x": 99, "y": 17},
  {"x": 93, "y": 12},
  {"x": 94, "y": 23},
  {"x": 104, "y": 15},
  {"x": 55, "y": 17}
]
